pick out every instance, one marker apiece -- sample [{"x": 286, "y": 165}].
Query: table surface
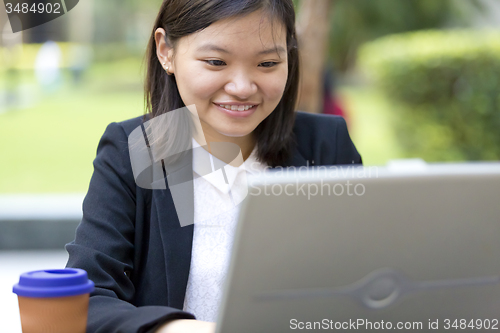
[{"x": 12, "y": 264}]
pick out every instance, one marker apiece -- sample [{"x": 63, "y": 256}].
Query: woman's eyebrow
[{"x": 212, "y": 47}]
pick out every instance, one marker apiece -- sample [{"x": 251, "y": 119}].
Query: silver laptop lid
[{"x": 416, "y": 245}]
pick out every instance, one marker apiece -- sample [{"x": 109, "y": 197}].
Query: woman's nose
[{"x": 242, "y": 86}]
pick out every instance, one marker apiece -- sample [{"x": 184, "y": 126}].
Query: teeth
[{"x": 236, "y": 107}]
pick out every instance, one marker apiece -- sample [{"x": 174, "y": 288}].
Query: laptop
[{"x": 409, "y": 246}]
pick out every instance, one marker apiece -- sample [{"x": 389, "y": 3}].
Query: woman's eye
[
  {"x": 215, "y": 62},
  {"x": 269, "y": 64}
]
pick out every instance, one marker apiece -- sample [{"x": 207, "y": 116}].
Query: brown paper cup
[
  {"x": 54, "y": 314},
  {"x": 54, "y": 301}
]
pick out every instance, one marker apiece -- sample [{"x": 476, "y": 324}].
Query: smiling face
[{"x": 235, "y": 63}]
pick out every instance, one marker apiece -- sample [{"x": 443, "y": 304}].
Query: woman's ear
[{"x": 164, "y": 51}]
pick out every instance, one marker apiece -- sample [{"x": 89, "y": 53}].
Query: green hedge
[{"x": 445, "y": 86}]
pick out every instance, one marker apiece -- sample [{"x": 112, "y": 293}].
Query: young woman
[{"x": 237, "y": 61}]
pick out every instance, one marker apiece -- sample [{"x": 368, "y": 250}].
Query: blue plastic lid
[{"x": 54, "y": 283}]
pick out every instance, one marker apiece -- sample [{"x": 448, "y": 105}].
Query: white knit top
[{"x": 216, "y": 208}]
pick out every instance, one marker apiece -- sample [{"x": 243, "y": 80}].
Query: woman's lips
[{"x": 236, "y": 113}]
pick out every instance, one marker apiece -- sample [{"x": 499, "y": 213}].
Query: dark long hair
[{"x": 180, "y": 18}]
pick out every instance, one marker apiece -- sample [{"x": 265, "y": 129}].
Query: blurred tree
[
  {"x": 312, "y": 31},
  {"x": 333, "y": 36},
  {"x": 81, "y": 16},
  {"x": 354, "y": 22},
  {"x": 115, "y": 19},
  {"x": 122, "y": 27}
]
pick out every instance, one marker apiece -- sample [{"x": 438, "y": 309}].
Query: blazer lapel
[{"x": 177, "y": 241}]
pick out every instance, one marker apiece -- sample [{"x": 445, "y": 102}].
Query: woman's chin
[
  {"x": 235, "y": 134},
  {"x": 233, "y": 130}
]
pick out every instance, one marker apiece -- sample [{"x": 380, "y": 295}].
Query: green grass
[{"x": 50, "y": 146}]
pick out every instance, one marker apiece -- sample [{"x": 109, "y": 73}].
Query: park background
[
  {"x": 413, "y": 78},
  {"x": 388, "y": 66}
]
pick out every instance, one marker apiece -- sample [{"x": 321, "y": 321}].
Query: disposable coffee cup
[{"x": 54, "y": 301}]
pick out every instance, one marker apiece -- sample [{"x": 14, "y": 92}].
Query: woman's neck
[{"x": 246, "y": 143}]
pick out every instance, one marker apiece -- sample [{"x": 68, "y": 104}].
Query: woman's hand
[{"x": 187, "y": 326}]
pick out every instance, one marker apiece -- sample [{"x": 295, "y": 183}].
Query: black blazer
[{"x": 130, "y": 241}]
